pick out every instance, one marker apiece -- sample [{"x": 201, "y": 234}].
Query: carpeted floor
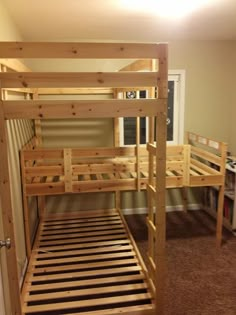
[{"x": 201, "y": 280}]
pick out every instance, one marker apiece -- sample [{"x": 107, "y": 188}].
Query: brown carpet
[{"x": 201, "y": 280}]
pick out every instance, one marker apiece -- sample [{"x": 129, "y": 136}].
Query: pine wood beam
[{"x": 77, "y": 50}]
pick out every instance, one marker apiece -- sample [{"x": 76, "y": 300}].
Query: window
[{"x": 175, "y": 114}]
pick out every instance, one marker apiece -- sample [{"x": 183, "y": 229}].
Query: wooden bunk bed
[
  {"x": 86, "y": 262},
  {"x": 70, "y": 250}
]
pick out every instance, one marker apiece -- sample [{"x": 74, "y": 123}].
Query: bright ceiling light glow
[{"x": 167, "y": 8}]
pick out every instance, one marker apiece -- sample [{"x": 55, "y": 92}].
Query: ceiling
[{"x": 111, "y": 20}]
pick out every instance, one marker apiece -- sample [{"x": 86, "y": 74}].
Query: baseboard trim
[{"x": 192, "y": 206}]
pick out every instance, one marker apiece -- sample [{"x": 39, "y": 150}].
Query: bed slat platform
[{"x": 86, "y": 263}]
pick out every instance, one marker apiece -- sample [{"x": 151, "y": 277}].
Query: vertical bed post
[
  {"x": 138, "y": 152},
  {"x": 7, "y": 215},
  {"x": 186, "y": 176},
  {"x": 220, "y": 206},
  {"x": 161, "y": 135},
  {"x": 25, "y": 207},
  {"x": 41, "y": 200},
  {"x": 150, "y": 219},
  {"x": 116, "y": 144},
  {"x": 116, "y": 130}
]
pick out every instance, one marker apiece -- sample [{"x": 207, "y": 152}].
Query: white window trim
[
  {"x": 178, "y": 117},
  {"x": 181, "y": 98}
]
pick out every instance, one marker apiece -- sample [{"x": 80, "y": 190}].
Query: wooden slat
[
  {"x": 51, "y": 249},
  {"x": 204, "y": 167},
  {"x": 81, "y": 108},
  {"x": 85, "y": 258},
  {"x": 77, "y": 79},
  {"x": 89, "y": 223},
  {"x": 208, "y": 156},
  {"x": 87, "y": 265},
  {"x": 87, "y": 303},
  {"x": 84, "y": 292},
  {"x": 112, "y": 235},
  {"x": 81, "y": 229},
  {"x": 81, "y": 283},
  {"x": 198, "y": 168},
  {"x": 128, "y": 310},
  {"x": 84, "y": 234},
  {"x": 77, "y": 50}
]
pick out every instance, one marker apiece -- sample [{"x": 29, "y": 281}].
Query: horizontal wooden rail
[
  {"x": 14, "y": 64},
  {"x": 77, "y": 79},
  {"x": 217, "y": 145},
  {"x": 75, "y": 91},
  {"x": 44, "y": 153},
  {"x": 207, "y": 156},
  {"x": 82, "y": 108},
  {"x": 207, "y": 169},
  {"x": 78, "y": 50}
]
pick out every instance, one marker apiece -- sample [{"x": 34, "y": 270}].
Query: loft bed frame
[
  {"x": 86, "y": 262},
  {"x": 101, "y": 237}
]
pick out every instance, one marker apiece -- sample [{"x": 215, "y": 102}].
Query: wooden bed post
[
  {"x": 116, "y": 131},
  {"x": 25, "y": 208},
  {"x": 161, "y": 135},
  {"x": 184, "y": 190},
  {"x": 138, "y": 152},
  {"x": 7, "y": 215},
  {"x": 220, "y": 207}
]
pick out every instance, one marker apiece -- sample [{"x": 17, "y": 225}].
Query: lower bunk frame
[{"x": 86, "y": 263}]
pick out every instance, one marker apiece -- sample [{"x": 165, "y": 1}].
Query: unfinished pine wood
[
  {"x": 7, "y": 214},
  {"x": 160, "y": 158},
  {"x": 78, "y": 50},
  {"x": 77, "y": 79},
  {"x": 85, "y": 273},
  {"x": 67, "y": 170},
  {"x": 75, "y": 91},
  {"x": 111, "y": 169},
  {"x": 220, "y": 206},
  {"x": 38, "y": 109}
]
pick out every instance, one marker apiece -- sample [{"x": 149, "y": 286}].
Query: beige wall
[{"x": 208, "y": 65}]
